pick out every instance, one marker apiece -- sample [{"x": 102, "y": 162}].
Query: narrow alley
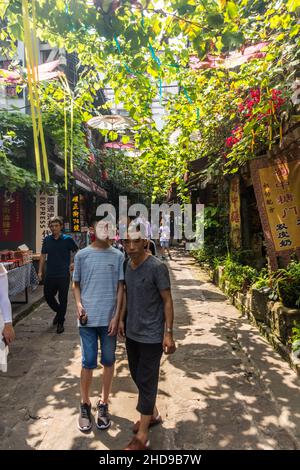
[{"x": 224, "y": 388}]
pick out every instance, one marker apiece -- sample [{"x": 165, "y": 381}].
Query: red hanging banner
[{"x": 11, "y": 217}]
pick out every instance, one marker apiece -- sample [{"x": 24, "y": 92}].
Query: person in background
[
  {"x": 58, "y": 249},
  {"x": 164, "y": 238}
]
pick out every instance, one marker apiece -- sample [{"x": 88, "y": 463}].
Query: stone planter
[
  {"x": 212, "y": 275},
  {"x": 226, "y": 285},
  {"x": 220, "y": 270},
  {"x": 259, "y": 304},
  {"x": 239, "y": 300},
  {"x": 247, "y": 303},
  {"x": 282, "y": 321}
]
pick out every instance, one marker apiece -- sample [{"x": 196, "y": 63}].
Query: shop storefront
[
  {"x": 17, "y": 242},
  {"x": 84, "y": 199}
]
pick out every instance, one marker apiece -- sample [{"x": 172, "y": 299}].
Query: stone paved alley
[{"x": 225, "y": 388}]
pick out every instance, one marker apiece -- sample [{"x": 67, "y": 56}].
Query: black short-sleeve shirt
[{"x": 59, "y": 254}]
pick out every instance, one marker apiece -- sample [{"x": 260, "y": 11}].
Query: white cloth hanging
[
  {"x": 5, "y": 316},
  {"x": 5, "y": 305}
]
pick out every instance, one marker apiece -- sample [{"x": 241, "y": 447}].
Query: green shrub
[
  {"x": 240, "y": 277},
  {"x": 262, "y": 280},
  {"x": 211, "y": 254},
  {"x": 288, "y": 285}
]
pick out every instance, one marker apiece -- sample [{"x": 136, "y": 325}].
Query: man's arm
[
  {"x": 168, "y": 342},
  {"x": 121, "y": 327},
  {"x": 8, "y": 333},
  {"x": 77, "y": 295},
  {"x": 74, "y": 249},
  {"x": 113, "y": 326},
  {"x": 41, "y": 266}
]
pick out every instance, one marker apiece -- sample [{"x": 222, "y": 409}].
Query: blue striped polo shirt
[{"x": 98, "y": 271}]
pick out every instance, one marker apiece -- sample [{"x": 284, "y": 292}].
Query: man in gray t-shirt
[
  {"x": 149, "y": 323},
  {"x": 145, "y": 321}
]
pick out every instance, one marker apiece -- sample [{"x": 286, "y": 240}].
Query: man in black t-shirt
[{"x": 58, "y": 248}]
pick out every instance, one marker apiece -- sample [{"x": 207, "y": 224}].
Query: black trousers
[
  {"x": 52, "y": 286},
  {"x": 144, "y": 361}
]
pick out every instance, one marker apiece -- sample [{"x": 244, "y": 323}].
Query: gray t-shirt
[
  {"x": 99, "y": 272},
  {"x": 145, "y": 309}
]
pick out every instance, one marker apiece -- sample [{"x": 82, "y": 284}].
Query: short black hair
[
  {"x": 140, "y": 227},
  {"x": 108, "y": 218},
  {"x": 56, "y": 219}
]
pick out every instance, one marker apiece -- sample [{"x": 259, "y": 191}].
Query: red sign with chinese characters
[{"x": 11, "y": 218}]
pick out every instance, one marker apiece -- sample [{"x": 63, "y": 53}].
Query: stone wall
[{"x": 274, "y": 320}]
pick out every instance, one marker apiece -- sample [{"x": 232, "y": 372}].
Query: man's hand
[
  {"x": 40, "y": 276},
  {"x": 121, "y": 330},
  {"x": 8, "y": 333},
  {"x": 168, "y": 344},
  {"x": 71, "y": 267},
  {"x": 113, "y": 326},
  {"x": 80, "y": 311}
]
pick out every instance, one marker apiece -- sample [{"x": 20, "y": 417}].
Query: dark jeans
[
  {"x": 52, "y": 286},
  {"x": 144, "y": 362}
]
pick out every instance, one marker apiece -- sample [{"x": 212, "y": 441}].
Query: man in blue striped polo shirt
[{"x": 98, "y": 289}]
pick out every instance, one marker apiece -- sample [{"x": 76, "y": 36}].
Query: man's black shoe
[
  {"x": 60, "y": 328},
  {"x": 55, "y": 320}
]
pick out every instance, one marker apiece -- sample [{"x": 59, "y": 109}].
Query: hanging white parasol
[
  {"x": 118, "y": 145},
  {"x": 111, "y": 122}
]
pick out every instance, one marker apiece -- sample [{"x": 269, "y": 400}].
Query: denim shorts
[
  {"x": 165, "y": 243},
  {"x": 89, "y": 346}
]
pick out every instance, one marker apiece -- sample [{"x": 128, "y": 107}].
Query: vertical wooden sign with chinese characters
[
  {"x": 277, "y": 188},
  {"x": 46, "y": 207},
  {"x": 235, "y": 212},
  {"x": 75, "y": 214},
  {"x": 11, "y": 218}
]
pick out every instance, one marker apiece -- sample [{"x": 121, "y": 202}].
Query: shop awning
[
  {"x": 46, "y": 71},
  {"x": 197, "y": 175},
  {"x": 234, "y": 59},
  {"x": 88, "y": 184}
]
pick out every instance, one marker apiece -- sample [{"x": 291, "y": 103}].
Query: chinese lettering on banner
[
  {"x": 277, "y": 188},
  {"x": 235, "y": 212},
  {"x": 75, "y": 214},
  {"x": 46, "y": 207},
  {"x": 11, "y": 218}
]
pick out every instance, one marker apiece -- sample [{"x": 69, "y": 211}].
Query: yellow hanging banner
[
  {"x": 27, "y": 42},
  {"x": 32, "y": 73},
  {"x": 235, "y": 212},
  {"x": 277, "y": 190},
  {"x": 39, "y": 114},
  {"x": 71, "y": 137},
  {"x": 66, "y": 143}
]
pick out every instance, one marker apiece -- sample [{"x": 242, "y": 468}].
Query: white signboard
[{"x": 46, "y": 207}]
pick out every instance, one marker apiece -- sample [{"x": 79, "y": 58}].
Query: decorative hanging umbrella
[
  {"x": 118, "y": 145},
  {"x": 111, "y": 122}
]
